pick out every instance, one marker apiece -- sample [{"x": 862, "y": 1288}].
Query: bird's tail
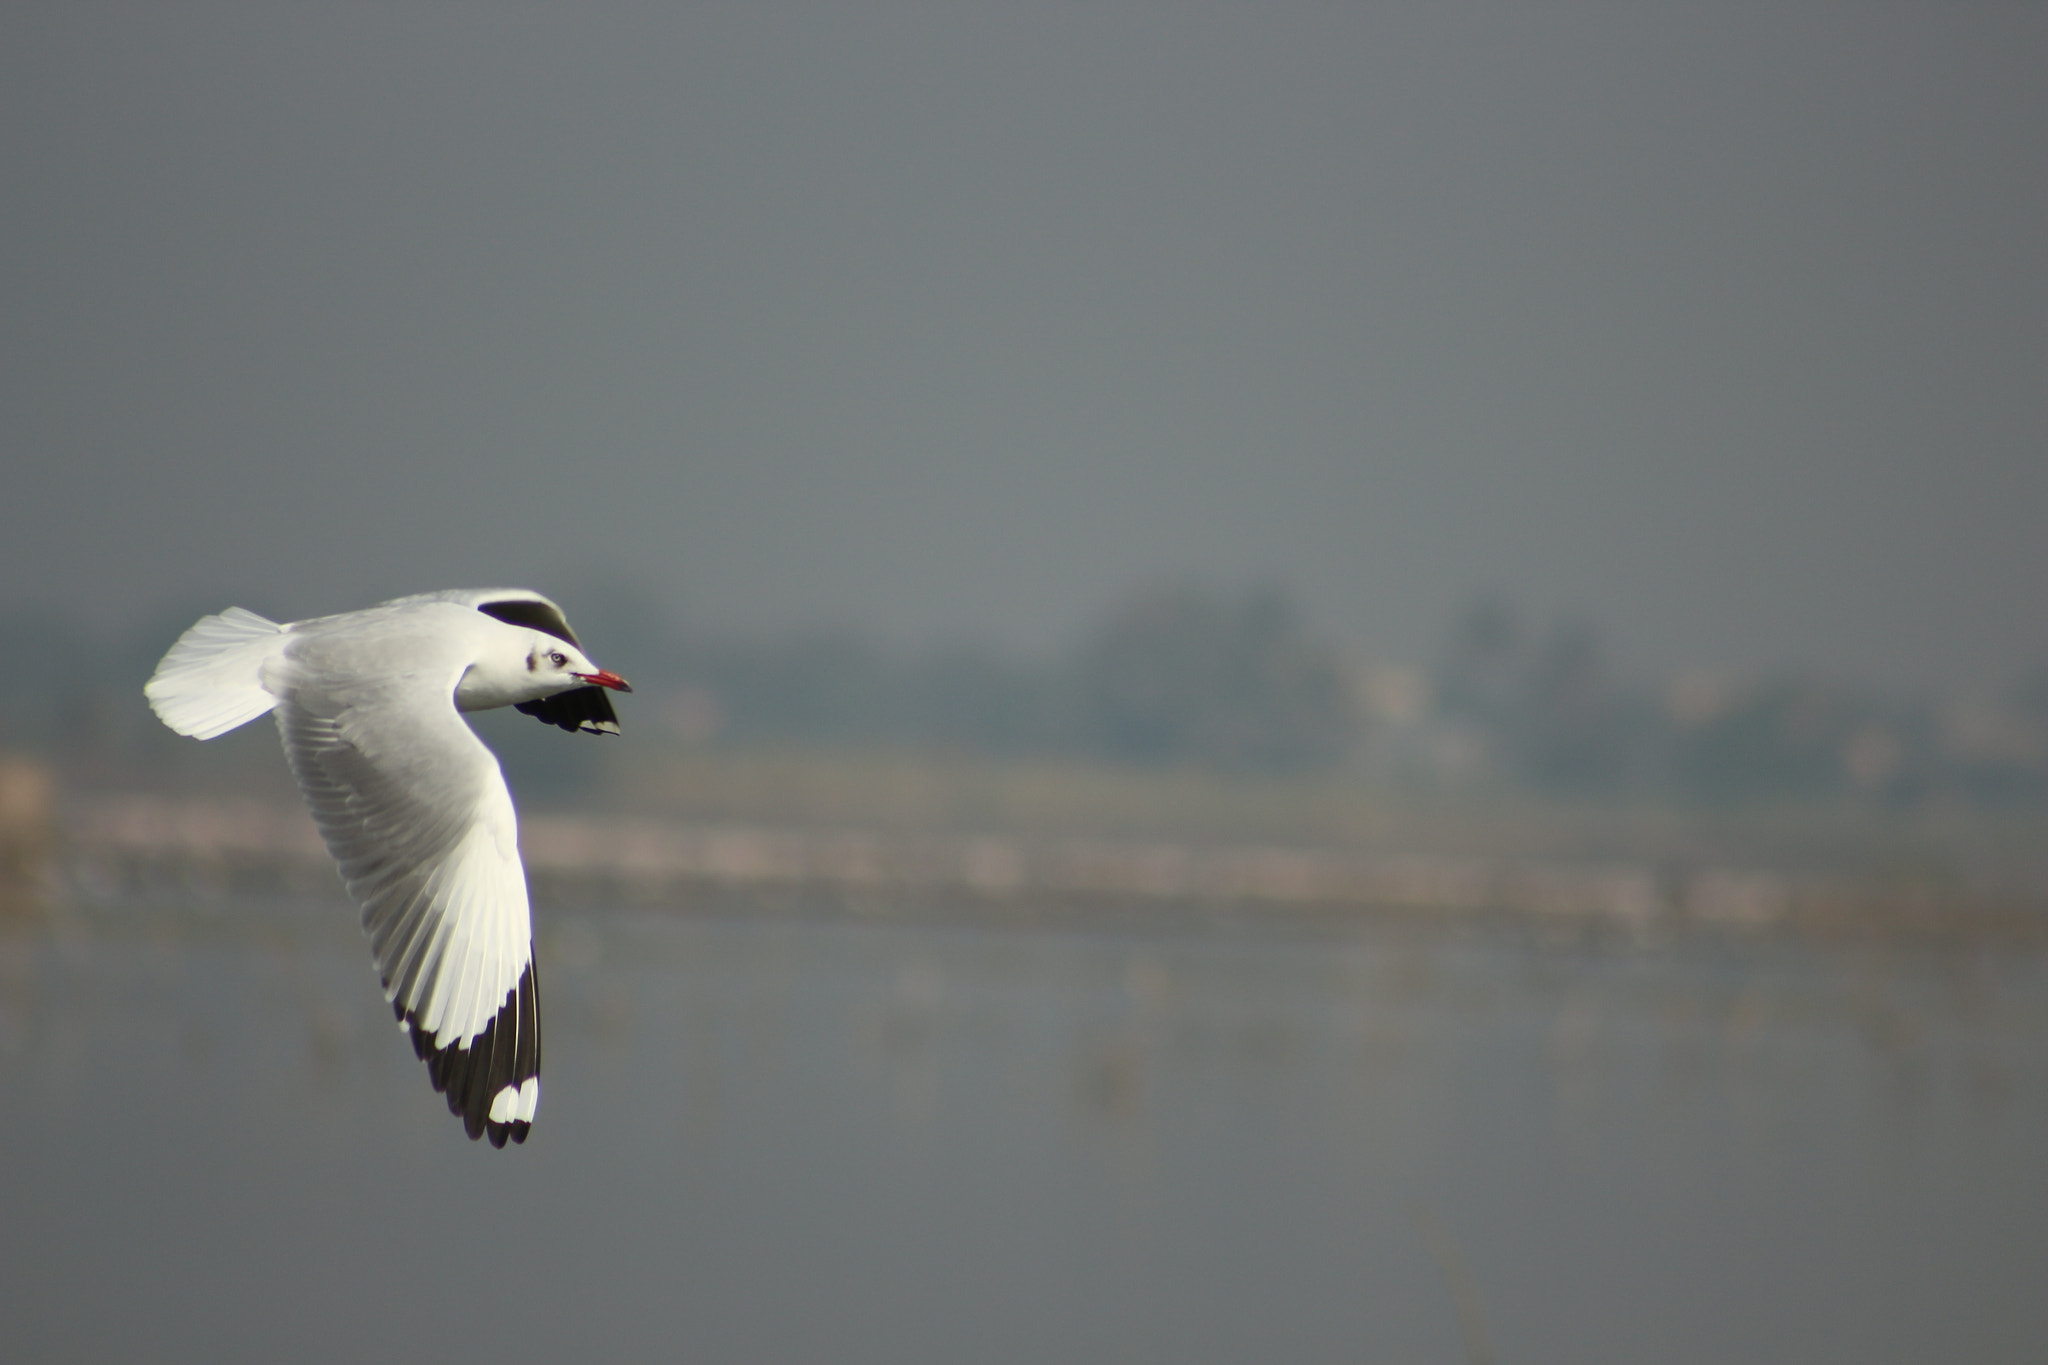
[{"x": 211, "y": 681}]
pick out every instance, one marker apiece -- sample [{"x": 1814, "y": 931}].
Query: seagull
[{"x": 411, "y": 803}]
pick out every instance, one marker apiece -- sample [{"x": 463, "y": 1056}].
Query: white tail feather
[{"x": 211, "y": 681}]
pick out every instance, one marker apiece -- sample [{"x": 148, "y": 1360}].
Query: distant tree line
[
  {"x": 1189, "y": 676},
  {"x": 1177, "y": 676},
  {"x": 1543, "y": 709}
]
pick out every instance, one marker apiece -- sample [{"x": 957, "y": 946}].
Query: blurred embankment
[
  {"x": 1029, "y": 871},
  {"x": 27, "y": 833}
]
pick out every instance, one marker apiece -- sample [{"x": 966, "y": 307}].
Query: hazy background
[
  {"x": 1579, "y": 471},
  {"x": 1720, "y": 326}
]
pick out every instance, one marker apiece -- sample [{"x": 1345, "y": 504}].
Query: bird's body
[{"x": 411, "y": 803}]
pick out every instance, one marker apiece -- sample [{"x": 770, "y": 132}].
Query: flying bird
[{"x": 410, "y": 802}]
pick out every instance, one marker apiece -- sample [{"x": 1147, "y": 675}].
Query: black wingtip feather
[
  {"x": 506, "y": 1053},
  {"x": 588, "y": 709},
  {"x": 544, "y": 617}
]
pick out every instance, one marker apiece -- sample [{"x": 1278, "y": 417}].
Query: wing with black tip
[{"x": 414, "y": 809}]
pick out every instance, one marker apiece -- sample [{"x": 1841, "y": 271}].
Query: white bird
[{"x": 412, "y": 805}]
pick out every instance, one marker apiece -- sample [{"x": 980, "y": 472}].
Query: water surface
[{"x": 789, "y": 1137}]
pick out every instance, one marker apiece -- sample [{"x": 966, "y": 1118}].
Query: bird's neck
[{"x": 485, "y": 686}]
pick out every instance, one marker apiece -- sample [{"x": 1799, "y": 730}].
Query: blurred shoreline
[{"x": 114, "y": 845}]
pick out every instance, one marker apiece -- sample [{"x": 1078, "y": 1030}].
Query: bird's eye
[{"x": 559, "y": 659}]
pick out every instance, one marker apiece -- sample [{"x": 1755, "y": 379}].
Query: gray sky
[{"x": 1722, "y": 326}]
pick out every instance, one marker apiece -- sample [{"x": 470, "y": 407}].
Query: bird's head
[{"x": 562, "y": 665}]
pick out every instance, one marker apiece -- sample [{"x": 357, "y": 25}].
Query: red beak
[{"x": 602, "y": 678}]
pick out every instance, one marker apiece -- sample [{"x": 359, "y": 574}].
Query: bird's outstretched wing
[{"x": 414, "y": 808}]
